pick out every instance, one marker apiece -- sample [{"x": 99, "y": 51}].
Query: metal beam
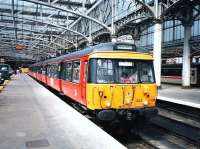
[
  {"x": 70, "y": 11},
  {"x": 31, "y": 13},
  {"x": 27, "y": 45},
  {"x": 54, "y": 25},
  {"x": 68, "y": 2},
  {"x": 32, "y": 37},
  {"x": 143, "y": 3},
  {"x": 170, "y": 7},
  {"x": 92, "y": 8},
  {"x": 24, "y": 29}
]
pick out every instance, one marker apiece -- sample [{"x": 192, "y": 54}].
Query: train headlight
[
  {"x": 145, "y": 103},
  {"x": 128, "y": 101},
  {"x": 107, "y": 103}
]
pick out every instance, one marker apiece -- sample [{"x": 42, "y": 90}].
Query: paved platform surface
[
  {"x": 174, "y": 93},
  {"x": 33, "y": 117}
]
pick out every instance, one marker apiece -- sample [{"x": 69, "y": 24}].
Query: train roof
[{"x": 110, "y": 46}]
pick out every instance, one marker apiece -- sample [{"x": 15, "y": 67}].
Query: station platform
[
  {"x": 33, "y": 117},
  {"x": 176, "y": 94}
]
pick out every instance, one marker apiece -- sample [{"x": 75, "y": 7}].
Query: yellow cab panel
[
  {"x": 113, "y": 94},
  {"x": 124, "y": 96}
]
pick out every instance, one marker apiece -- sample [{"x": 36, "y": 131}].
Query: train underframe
[
  {"x": 118, "y": 115},
  {"x": 107, "y": 115},
  {"x": 113, "y": 115}
]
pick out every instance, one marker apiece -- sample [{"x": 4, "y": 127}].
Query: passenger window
[
  {"x": 76, "y": 72},
  {"x": 43, "y": 70},
  {"x": 68, "y": 71},
  {"x": 55, "y": 71},
  {"x": 52, "y": 70},
  {"x": 49, "y": 70},
  {"x": 85, "y": 71},
  {"x": 62, "y": 71}
]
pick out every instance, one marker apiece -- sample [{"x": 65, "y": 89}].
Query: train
[
  {"x": 110, "y": 81},
  {"x": 5, "y": 72},
  {"x": 172, "y": 74}
]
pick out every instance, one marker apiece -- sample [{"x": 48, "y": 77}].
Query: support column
[
  {"x": 157, "y": 52},
  {"x": 113, "y": 35},
  {"x": 89, "y": 43},
  {"x": 90, "y": 34},
  {"x": 114, "y": 38},
  {"x": 186, "y": 57}
]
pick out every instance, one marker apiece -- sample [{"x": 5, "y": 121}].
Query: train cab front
[{"x": 121, "y": 88}]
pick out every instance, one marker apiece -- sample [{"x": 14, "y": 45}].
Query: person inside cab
[
  {"x": 129, "y": 78},
  {"x": 124, "y": 78}
]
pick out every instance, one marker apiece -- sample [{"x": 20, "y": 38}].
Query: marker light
[
  {"x": 145, "y": 103},
  {"x": 108, "y": 103},
  {"x": 128, "y": 101}
]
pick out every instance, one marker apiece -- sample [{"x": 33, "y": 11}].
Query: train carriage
[
  {"x": 5, "y": 71},
  {"x": 172, "y": 74},
  {"x": 111, "y": 80}
]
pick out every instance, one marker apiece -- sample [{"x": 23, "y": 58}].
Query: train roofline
[{"x": 103, "y": 47}]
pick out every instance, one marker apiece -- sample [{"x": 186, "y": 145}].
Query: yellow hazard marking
[
  {"x": 5, "y": 82},
  {"x": 1, "y": 88}
]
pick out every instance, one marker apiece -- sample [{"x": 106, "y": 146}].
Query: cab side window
[{"x": 76, "y": 72}]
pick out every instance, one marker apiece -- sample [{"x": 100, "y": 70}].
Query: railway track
[
  {"x": 152, "y": 137},
  {"x": 181, "y": 121},
  {"x": 176, "y": 127}
]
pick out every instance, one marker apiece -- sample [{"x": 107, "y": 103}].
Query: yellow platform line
[
  {"x": 1, "y": 88},
  {"x": 6, "y": 82}
]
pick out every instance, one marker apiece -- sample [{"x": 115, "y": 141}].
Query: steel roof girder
[
  {"x": 93, "y": 7},
  {"x": 36, "y": 39},
  {"x": 151, "y": 9},
  {"x": 47, "y": 23},
  {"x": 68, "y": 10},
  {"x": 167, "y": 5},
  {"x": 52, "y": 42},
  {"x": 44, "y": 45}
]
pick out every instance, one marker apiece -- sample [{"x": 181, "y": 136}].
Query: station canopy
[{"x": 31, "y": 29}]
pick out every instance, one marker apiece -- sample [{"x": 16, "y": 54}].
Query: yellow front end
[
  {"x": 120, "y": 96},
  {"x": 132, "y": 92}
]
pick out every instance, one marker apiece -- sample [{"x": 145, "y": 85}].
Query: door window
[{"x": 76, "y": 72}]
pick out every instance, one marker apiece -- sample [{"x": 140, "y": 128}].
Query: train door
[
  {"x": 83, "y": 88},
  {"x": 193, "y": 78},
  {"x": 45, "y": 74},
  {"x": 61, "y": 75}
]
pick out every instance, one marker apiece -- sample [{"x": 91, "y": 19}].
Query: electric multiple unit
[{"x": 111, "y": 80}]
